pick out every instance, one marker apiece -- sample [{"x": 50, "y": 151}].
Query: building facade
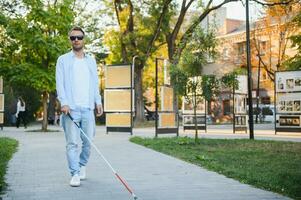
[{"x": 270, "y": 47}]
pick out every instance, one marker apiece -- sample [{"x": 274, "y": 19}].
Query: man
[{"x": 77, "y": 88}]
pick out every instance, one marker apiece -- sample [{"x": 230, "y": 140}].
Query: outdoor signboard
[
  {"x": 1, "y": 118},
  {"x": 167, "y": 120},
  {"x": 118, "y": 76},
  {"x": 166, "y": 116},
  {"x": 166, "y": 98},
  {"x": 242, "y": 84},
  {"x": 288, "y": 101},
  {"x": 1, "y": 84},
  {"x": 188, "y": 110},
  {"x": 188, "y": 114},
  {"x": 240, "y": 117},
  {"x": 118, "y": 119},
  {"x": 1, "y": 103},
  {"x": 118, "y": 98}
]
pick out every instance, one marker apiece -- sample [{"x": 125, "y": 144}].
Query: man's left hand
[{"x": 99, "y": 110}]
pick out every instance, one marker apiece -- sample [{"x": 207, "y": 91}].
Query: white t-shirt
[
  {"x": 81, "y": 77},
  {"x": 20, "y": 108}
]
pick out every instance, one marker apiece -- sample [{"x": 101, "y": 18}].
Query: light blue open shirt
[{"x": 64, "y": 80}]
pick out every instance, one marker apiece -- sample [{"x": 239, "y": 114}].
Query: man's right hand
[{"x": 65, "y": 109}]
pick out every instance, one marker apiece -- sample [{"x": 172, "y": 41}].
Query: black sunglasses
[{"x": 78, "y": 37}]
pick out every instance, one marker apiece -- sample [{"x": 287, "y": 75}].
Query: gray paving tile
[{"x": 39, "y": 171}]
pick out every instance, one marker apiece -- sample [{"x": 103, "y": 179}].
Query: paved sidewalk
[{"x": 38, "y": 171}]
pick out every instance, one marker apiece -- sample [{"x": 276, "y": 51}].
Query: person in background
[{"x": 20, "y": 114}]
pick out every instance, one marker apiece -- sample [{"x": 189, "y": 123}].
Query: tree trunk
[
  {"x": 195, "y": 119},
  {"x": 51, "y": 108},
  {"x": 139, "y": 104},
  {"x": 44, "y": 122},
  {"x": 257, "y": 93}
]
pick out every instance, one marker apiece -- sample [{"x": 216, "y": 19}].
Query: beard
[{"x": 77, "y": 47}]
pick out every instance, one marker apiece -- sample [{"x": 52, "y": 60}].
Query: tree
[
  {"x": 187, "y": 73},
  {"x": 137, "y": 35},
  {"x": 230, "y": 81},
  {"x": 144, "y": 26},
  {"x": 294, "y": 63},
  {"x": 34, "y": 40},
  {"x": 271, "y": 36}
]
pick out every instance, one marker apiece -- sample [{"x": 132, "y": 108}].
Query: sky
[{"x": 235, "y": 10}]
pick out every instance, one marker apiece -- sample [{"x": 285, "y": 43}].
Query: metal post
[
  {"x": 132, "y": 86},
  {"x": 205, "y": 115},
  {"x": 233, "y": 99},
  {"x": 251, "y": 122},
  {"x": 156, "y": 98},
  {"x": 275, "y": 109},
  {"x": 258, "y": 84}
]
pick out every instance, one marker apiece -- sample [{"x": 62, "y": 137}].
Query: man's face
[{"x": 77, "y": 40}]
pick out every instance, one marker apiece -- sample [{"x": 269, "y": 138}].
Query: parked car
[{"x": 266, "y": 113}]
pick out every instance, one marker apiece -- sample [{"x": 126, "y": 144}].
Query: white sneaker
[
  {"x": 82, "y": 173},
  {"x": 75, "y": 181}
]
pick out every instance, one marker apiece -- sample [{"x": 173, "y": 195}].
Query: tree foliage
[
  {"x": 210, "y": 86},
  {"x": 294, "y": 63},
  {"x": 33, "y": 40},
  {"x": 145, "y": 26},
  {"x": 277, "y": 25},
  {"x": 186, "y": 75},
  {"x": 229, "y": 80},
  {"x": 194, "y": 57}
]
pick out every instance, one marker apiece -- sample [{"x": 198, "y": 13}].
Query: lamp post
[
  {"x": 251, "y": 122},
  {"x": 133, "y": 88}
]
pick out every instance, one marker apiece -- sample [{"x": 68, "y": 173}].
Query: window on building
[
  {"x": 264, "y": 75},
  {"x": 263, "y": 48},
  {"x": 226, "y": 107},
  {"x": 241, "y": 48},
  {"x": 225, "y": 53}
]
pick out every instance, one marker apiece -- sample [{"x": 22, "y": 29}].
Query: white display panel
[
  {"x": 240, "y": 121},
  {"x": 242, "y": 84},
  {"x": 167, "y": 120},
  {"x": 1, "y": 84},
  {"x": 1, "y": 118},
  {"x": 118, "y": 100},
  {"x": 166, "y": 98},
  {"x": 288, "y": 101},
  {"x": 118, "y": 76},
  {"x": 240, "y": 105},
  {"x": 187, "y": 106},
  {"x": 189, "y": 120},
  {"x": 166, "y": 73},
  {"x": 288, "y": 81},
  {"x": 288, "y": 121},
  {"x": 1, "y": 102}
]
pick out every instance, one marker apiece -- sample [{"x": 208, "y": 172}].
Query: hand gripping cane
[{"x": 106, "y": 161}]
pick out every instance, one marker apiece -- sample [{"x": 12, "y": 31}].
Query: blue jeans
[{"x": 85, "y": 118}]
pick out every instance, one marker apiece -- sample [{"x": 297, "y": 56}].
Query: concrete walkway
[{"x": 38, "y": 171}]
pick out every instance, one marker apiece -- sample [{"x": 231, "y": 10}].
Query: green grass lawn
[
  {"x": 270, "y": 165},
  {"x": 7, "y": 148}
]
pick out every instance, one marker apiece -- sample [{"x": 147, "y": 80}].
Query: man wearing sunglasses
[{"x": 77, "y": 87}]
